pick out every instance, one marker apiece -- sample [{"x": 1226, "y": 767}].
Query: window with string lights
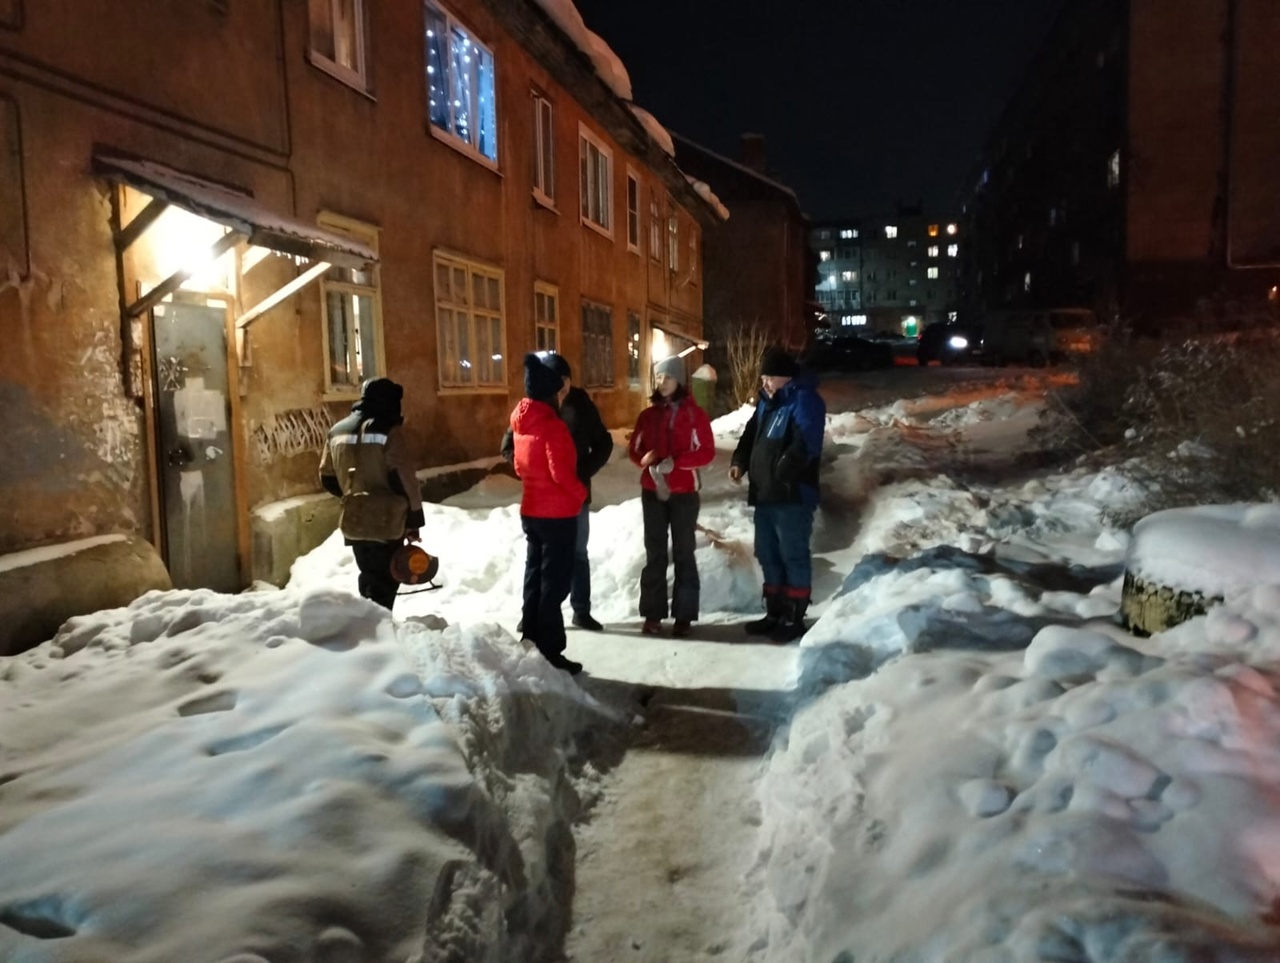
[{"x": 461, "y": 90}]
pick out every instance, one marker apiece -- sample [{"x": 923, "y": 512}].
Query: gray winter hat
[{"x": 673, "y": 366}]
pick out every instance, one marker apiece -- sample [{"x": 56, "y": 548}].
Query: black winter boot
[
  {"x": 773, "y": 606},
  {"x": 791, "y": 626}
]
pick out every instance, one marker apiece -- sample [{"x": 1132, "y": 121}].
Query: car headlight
[{"x": 959, "y": 342}]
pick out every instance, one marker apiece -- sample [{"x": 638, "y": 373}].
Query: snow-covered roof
[
  {"x": 608, "y": 67},
  {"x": 739, "y": 166},
  {"x": 707, "y": 194}
]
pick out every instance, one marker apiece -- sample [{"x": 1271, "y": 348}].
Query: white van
[{"x": 1041, "y": 336}]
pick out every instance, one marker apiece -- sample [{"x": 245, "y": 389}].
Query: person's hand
[
  {"x": 665, "y": 466},
  {"x": 648, "y": 458},
  {"x": 735, "y": 473},
  {"x": 412, "y": 535}
]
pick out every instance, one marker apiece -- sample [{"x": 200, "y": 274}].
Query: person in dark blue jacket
[{"x": 779, "y": 452}]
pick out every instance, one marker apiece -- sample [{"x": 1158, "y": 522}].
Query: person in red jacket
[
  {"x": 671, "y": 441},
  {"x": 546, "y": 462}
]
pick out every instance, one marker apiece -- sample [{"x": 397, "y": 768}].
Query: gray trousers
[{"x": 679, "y": 515}]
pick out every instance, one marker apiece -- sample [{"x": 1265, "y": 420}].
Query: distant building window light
[
  {"x": 853, "y": 320},
  {"x": 824, "y": 235},
  {"x": 824, "y": 255},
  {"x": 890, "y": 231},
  {"x": 1026, "y": 281},
  {"x": 1113, "y": 169},
  {"x": 848, "y": 275},
  {"x": 848, "y": 233},
  {"x": 933, "y": 230},
  {"x": 933, "y": 250},
  {"x": 952, "y": 315},
  {"x": 1053, "y": 216},
  {"x": 951, "y": 230},
  {"x": 953, "y": 250},
  {"x": 932, "y": 272}
]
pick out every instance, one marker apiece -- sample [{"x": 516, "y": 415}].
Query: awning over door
[{"x": 238, "y": 211}]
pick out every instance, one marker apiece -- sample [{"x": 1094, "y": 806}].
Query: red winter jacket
[
  {"x": 677, "y": 429},
  {"x": 546, "y": 460}
]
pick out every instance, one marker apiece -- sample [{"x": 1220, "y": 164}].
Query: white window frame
[
  {"x": 546, "y": 316},
  {"x": 544, "y": 150},
  {"x": 446, "y": 132},
  {"x": 325, "y": 14},
  {"x": 633, "y": 211},
  {"x": 366, "y": 234},
  {"x": 595, "y": 192},
  {"x": 490, "y": 374}
]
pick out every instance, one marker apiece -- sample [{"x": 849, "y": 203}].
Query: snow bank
[{"x": 1211, "y": 549}]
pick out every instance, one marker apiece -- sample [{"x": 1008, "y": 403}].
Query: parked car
[
  {"x": 851, "y": 354},
  {"x": 950, "y": 342},
  {"x": 1041, "y": 336}
]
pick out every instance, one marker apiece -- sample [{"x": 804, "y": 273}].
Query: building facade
[
  {"x": 1134, "y": 170},
  {"x": 219, "y": 219},
  {"x": 890, "y": 274}
]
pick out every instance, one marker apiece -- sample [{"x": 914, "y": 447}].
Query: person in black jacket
[
  {"x": 595, "y": 445},
  {"x": 366, "y": 464},
  {"x": 779, "y": 452}
]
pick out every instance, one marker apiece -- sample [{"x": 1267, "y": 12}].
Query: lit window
[
  {"x": 337, "y": 39},
  {"x": 597, "y": 345},
  {"x": 546, "y": 316},
  {"x": 633, "y": 349},
  {"x": 951, "y": 230},
  {"x": 952, "y": 315},
  {"x": 890, "y": 231},
  {"x": 633, "y": 212},
  {"x": 460, "y": 85},
  {"x": 933, "y": 230},
  {"x": 848, "y": 233},
  {"x": 1113, "y": 170},
  {"x": 933, "y": 250},
  {"x": 853, "y": 320},
  {"x": 848, "y": 275},
  {"x": 595, "y": 165},
  {"x": 470, "y": 330},
  {"x": 544, "y": 184},
  {"x": 1026, "y": 281},
  {"x": 931, "y": 272},
  {"x": 824, "y": 255},
  {"x": 352, "y": 315},
  {"x": 953, "y": 250}
]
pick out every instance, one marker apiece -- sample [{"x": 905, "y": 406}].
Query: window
[
  {"x": 848, "y": 233},
  {"x": 597, "y": 345},
  {"x": 655, "y": 229},
  {"x": 824, "y": 255},
  {"x": 931, "y": 272},
  {"x": 693, "y": 255},
  {"x": 933, "y": 230},
  {"x": 848, "y": 275},
  {"x": 633, "y": 349},
  {"x": 595, "y": 165},
  {"x": 352, "y": 315},
  {"x": 953, "y": 250},
  {"x": 890, "y": 231},
  {"x": 633, "y": 212},
  {"x": 546, "y": 316},
  {"x": 470, "y": 332},
  {"x": 853, "y": 320},
  {"x": 544, "y": 168},
  {"x": 933, "y": 250},
  {"x": 1113, "y": 169},
  {"x": 460, "y": 85},
  {"x": 1026, "y": 281},
  {"x": 337, "y": 39},
  {"x": 673, "y": 241},
  {"x": 13, "y": 212},
  {"x": 951, "y": 230}
]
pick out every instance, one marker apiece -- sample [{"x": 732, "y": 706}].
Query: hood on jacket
[
  {"x": 380, "y": 400},
  {"x": 531, "y": 414}
]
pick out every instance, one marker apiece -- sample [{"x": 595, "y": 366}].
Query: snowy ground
[{"x": 964, "y": 760}]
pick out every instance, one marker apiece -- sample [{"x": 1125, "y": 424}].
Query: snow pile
[
  {"x": 608, "y": 67},
  {"x": 1212, "y": 549},
  {"x": 655, "y": 130},
  {"x": 703, "y": 190}
]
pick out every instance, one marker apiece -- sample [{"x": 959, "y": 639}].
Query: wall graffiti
[{"x": 288, "y": 433}]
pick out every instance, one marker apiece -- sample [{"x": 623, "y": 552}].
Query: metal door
[{"x": 197, "y": 471}]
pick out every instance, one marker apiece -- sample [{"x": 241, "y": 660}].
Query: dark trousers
[
  {"x": 679, "y": 514},
  {"x": 580, "y": 593},
  {"x": 548, "y": 572},
  {"x": 782, "y": 544},
  {"x": 373, "y": 559}
]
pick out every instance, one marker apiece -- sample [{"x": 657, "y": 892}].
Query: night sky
[{"x": 861, "y": 102}]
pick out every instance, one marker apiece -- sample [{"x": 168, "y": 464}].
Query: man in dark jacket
[
  {"x": 366, "y": 463},
  {"x": 594, "y": 444},
  {"x": 779, "y": 452}
]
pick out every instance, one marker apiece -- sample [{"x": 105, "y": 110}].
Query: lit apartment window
[
  {"x": 633, "y": 349},
  {"x": 1026, "y": 281},
  {"x": 655, "y": 229},
  {"x": 933, "y": 230},
  {"x": 890, "y": 231},
  {"x": 633, "y": 212},
  {"x": 595, "y": 166},
  {"x": 544, "y": 182},
  {"x": 597, "y": 345},
  {"x": 546, "y": 316},
  {"x": 824, "y": 255},
  {"x": 460, "y": 85},
  {"x": 933, "y": 250},
  {"x": 1113, "y": 169},
  {"x": 953, "y": 250},
  {"x": 673, "y": 241},
  {"x": 951, "y": 230},
  {"x": 848, "y": 233},
  {"x": 352, "y": 315},
  {"x": 848, "y": 275},
  {"x": 337, "y": 39},
  {"x": 470, "y": 330},
  {"x": 853, "y": 320},
  {"x": 931, "y": 272}
]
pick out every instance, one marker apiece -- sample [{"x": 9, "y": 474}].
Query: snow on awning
[{"x": 235, "y": 210}]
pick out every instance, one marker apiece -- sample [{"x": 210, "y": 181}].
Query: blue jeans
[
  {"x": 782, "y": 544},
  {"x": 580, "y": 594}
]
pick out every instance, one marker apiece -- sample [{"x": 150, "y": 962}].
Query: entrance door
[{"x": 197, "y": 471}]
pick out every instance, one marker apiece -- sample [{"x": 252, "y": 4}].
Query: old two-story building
[{"x": 218, "y": 219}]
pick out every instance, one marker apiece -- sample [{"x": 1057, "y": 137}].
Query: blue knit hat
[{"x": 540, "y": 382}]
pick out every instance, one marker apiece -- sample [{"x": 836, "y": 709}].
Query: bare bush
[{"x": 744, "y": 346}]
